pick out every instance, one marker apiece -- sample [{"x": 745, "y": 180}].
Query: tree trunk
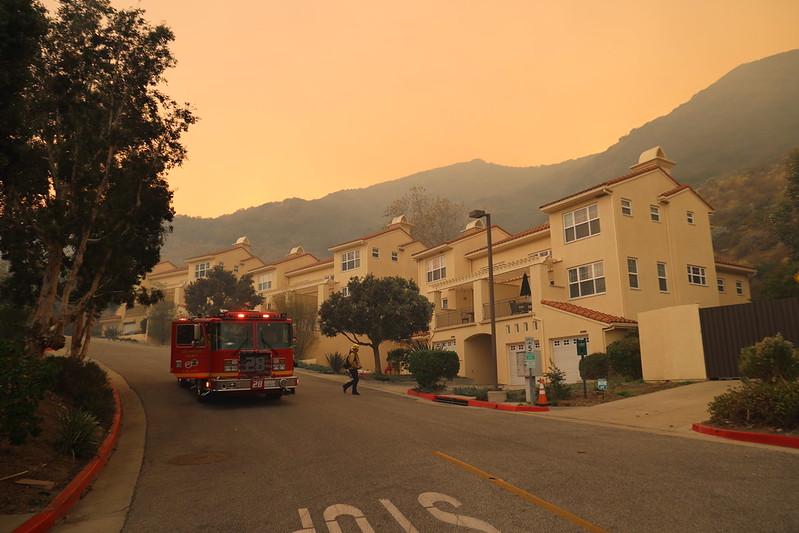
[
  {"x": 378, "y": 365},
  {"x": 77, "y": 336},
  {"x": 87, "y": 334}
]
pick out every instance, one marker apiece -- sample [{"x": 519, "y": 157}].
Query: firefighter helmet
[{"x": 354, "y": 348}]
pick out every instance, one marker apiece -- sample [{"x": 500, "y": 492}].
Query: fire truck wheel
[{"x": 185, "y": 383}]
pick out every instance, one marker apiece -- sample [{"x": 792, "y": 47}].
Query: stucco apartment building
[
  {"x": 634, "y": 243},
  {"x": 173, "y": 280},
  {"x": 300, "y": 275}
]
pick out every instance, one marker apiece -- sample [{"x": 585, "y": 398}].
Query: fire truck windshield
[
  {"x": 232, "y": 336},
  {"x": 274, "y": 335}
]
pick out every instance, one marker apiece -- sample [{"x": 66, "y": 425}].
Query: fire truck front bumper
[{"x": 287, "y": 384}]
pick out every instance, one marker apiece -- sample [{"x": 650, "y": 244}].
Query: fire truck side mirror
[{"x": 198, "y": 334}]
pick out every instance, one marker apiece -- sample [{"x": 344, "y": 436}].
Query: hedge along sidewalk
[
  {"x": 105, "y": 508},
  {"x": 449, "y": 398},
  {"x": 71, "y": 494},
  {"x": 771, "y": 439}
]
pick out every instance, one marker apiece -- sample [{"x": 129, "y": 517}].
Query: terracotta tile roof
[
  {"x": 290, "y": 258},
  {"x": 312, "y": 265},
  {"x": 725, "y": 262},
  {"x": 675, "y": 190},
  {"x": 634, "y": 173},
  {"x": 535, "y": 229},
  {"x": 172, "y": 271},
  {"x": 215, "y": 252},
  {"x": 371, "y": 236},
  {"x": 456, "y": 239},
  {"x": 588, "y": 313}
]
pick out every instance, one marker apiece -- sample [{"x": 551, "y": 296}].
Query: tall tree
[
  {"x": 106, "y": 135},
  {"x": 786, "y": 217},
  {"x": 435, "y": 219},
  {"x": 221, "y": 290},
  {"x": 376, "y": 310},
  {"x": 303, "y": 314}
]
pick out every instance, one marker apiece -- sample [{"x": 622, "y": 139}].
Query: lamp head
[{"x": 477, "y": 213}]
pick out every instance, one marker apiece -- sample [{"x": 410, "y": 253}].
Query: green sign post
[{"x": 582, "y": 351}]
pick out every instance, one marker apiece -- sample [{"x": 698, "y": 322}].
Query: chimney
[
  {"x": 243, "y": 242},
  {"x": 654, "y": 156},
  {"x": 402, "y": 223},
  {"x": 475, "y": 226},
  {"x": 297, "y": 250}
]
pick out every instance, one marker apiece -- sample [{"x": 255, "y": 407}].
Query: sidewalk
[
  {"x": 400, "y": 388},
  {"x": 671, "y": 410}
]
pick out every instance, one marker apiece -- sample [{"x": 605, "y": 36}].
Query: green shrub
[
  {"x": 78, "y": 433},
  {"x": 86, "y": 386},
  {"x": 758, "y": 404},
  {"x": 429, "y": 367},
  {"x": 556, "y": 386},
  {"x": 480, "y": 393},
  {"x": 772, "y": 359},
  {"x": 335, "y": 361},
  {"x": 398, "y": 359},
  {"x": 314, "y": 368},
  {"x": 595, "y": 366},
  {"x": 624, "y": 356},
  {"x": 23, "y": 381},
  {"x": 517, "y": 395},
  {"x": 111, "y": 333}
]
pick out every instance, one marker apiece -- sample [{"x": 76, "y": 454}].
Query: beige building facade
[{"x": 625, "y": 246}]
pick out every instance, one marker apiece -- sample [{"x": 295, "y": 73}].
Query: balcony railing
[
  {"x": 454, "y": 317},
  {"x": 508, "y": 307}
]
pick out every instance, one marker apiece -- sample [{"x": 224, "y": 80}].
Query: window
[
  {"x": 689, "y": 216},
  {"x": 663, "y": 282},
  {"x": 581, "y": 223},
  {"x": 350, "y": 260},
  {"x": 201, "y": 270},
  {"x": 345, "y": 290},
  {"x": 235, "y": 268},
  {"x": 394, "y": 256},
  {"x": 632, "y": 272},
  {"x": 436, "y": 269},
  {"x": 444, "y": 303},
  {"x": 376, "y": 252},
  {"x": 696, "y": 275},
  {"x": 626, "y": 207},
  {"x": 739, "y": 288},
  {"x": 232, "y": 336},
  {"x": 274, "y": 335},
  {"x": 586, "y": 280},
  {"x": 184, "y": 336},
  {"x": 721, "y": 284},
  {"x": 265, "y": 282},
  {"x": 654, "y": 213}
]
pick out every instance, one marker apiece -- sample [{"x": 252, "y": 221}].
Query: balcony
[
  {"x": 509, "y": 307},
  {"x": 454, "y": 317}
]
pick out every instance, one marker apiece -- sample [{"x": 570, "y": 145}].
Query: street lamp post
[{"x": 479, "y": 213}]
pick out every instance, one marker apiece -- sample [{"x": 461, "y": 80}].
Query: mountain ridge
[{"x": 744, "y": 121}]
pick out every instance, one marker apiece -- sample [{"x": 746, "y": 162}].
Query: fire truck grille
[{"x": 258, "y": 363}]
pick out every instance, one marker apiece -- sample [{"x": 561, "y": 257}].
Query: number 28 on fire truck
[{"x": 236, "y": 351}]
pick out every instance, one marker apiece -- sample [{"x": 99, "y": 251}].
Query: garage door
[{"x": 564, "y": 355}]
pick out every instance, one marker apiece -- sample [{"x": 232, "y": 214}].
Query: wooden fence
[{"x": 728, "y": 329}]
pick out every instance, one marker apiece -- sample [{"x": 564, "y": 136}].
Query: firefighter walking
[{"x": 352, "y": 364}]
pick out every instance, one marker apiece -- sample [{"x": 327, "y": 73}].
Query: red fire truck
[{"x": 236, "y": 351}]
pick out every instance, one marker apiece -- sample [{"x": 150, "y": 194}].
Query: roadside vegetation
[
  {"x": 87, "y": 136},
  {"x": 768, "y": 398}
]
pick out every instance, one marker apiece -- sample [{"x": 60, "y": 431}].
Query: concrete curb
[
  {"x": 72, "y": 493},
  {"x": 748, "y": 436},
  {"x": 480, "y": 403}
]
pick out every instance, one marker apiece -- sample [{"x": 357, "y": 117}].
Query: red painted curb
[
  {"x": 486, "y": 405},
  {"x": 748, "y": 436},
  {"x": 68, "y": 497},
  {"x": 523, "y": 408}
]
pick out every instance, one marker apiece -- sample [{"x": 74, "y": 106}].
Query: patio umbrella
[{"x": 525, "y": 291}]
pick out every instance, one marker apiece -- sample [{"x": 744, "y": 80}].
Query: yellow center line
[{"x": 532, "y": 498}]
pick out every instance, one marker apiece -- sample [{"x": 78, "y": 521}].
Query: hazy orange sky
[{"x": 302, "y": 98}]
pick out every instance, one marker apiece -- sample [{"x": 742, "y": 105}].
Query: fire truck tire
[{"x": 185, "y": 383}]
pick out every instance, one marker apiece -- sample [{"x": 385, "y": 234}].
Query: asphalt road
[{"x": 256, "y": 465}]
